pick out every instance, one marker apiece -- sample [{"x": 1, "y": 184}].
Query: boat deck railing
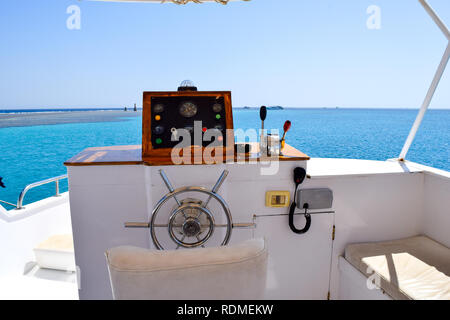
[
  {"x": 8, "y": 203},
  {"x": 27, "y": 188}
]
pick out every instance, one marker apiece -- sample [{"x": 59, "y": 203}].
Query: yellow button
[{"x": 158, "y": 117}]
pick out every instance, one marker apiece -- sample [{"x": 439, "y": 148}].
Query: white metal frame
[
  {"x": 437, "y": 78},
  {"x": 37, "y": 184}
]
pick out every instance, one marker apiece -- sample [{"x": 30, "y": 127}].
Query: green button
[
  {"x": 218, "y": 116},
  {"x": 158, "y": 141}
]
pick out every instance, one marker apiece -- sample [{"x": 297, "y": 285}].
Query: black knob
[
  {"x": 263, "y": 113},
  {"x": 158, "y": 130}
]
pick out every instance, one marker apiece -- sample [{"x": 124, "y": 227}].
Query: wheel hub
[{"x": 191, "y": 227}]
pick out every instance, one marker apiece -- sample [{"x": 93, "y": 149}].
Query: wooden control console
[{"x": 187, "y": 120}]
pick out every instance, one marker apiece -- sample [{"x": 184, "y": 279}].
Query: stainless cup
[{"x": 273, "y": 145}]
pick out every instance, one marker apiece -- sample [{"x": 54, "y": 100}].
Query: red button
[{"x": 204, "y": 129}]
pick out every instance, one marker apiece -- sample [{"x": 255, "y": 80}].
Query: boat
[{"x": 333, "y": 229}]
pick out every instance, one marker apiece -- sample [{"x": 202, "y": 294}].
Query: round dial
[
  {"x": 217, "y": 107},
  {"x": 158, "y": 108},
  {"x": 188, "y": 109}
]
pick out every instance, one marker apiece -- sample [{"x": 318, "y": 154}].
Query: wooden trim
[
  {"x": 131, "y": 155},
  {"x": 148, "y": 153},
  {"x": 114, "y": 155},
  {"x": 117, "y": 163}
]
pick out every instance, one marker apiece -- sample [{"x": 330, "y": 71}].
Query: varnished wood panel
[
  {"x": 131, "y": 155},
  {"x": 116, "y": 155}
]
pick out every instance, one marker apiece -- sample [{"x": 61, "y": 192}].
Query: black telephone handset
[{"x": 299, "y": 177}]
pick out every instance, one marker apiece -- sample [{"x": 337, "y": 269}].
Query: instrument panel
[
  {"x": 173, "y": 113},
  {"x": 198, "y": 112}
]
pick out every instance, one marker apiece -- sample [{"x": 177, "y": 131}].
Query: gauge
[
  {"x": 188, "y": 109},
  {"x": 158, "y": 108},
  {"x": 217, "y": 107},
  {"x": 158, "y": 130}
]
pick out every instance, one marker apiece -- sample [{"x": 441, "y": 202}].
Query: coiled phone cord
[{"x": 299, "y": 176}]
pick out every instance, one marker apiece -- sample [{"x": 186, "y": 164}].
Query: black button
[{"x": 158, "y": 130}]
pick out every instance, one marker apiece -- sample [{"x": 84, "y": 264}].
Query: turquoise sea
[{"x": 34, "y": 146}]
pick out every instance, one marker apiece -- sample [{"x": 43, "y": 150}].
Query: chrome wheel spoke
[
  {"x": 198, "y": 238},
  {"x": 190, "y": 217},
  {"x": 182, "y": 239},
  {"x": 199, "y": 214}
]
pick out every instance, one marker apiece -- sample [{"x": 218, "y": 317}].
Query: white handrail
[
  {"x": 37, "y": 184},
  {"x": 434, "y": 84},
  {"x": 8, "y": 203}
]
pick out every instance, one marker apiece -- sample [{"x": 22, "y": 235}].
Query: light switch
[{"x": 277, "y": 199}]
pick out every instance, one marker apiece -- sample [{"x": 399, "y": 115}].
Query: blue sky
[{"x": 295, "y": 53}]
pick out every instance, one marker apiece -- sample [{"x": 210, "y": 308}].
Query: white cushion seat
[
  {"x": 229, "y": 272},
  {"x": 416, "y": 268},
  {"x": 56, "y": 253}
]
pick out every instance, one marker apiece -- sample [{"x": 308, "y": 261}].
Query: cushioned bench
[
  {"x": 56, "y": 253},
  {"x": 414, "y": 268}
]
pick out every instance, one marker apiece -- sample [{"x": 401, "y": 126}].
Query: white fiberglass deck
[
  {"x": 39, "y": 284},
  {"x": 373, "y": 201},
  {"x": 328, "y": 167},
  {"x": 20, "y": 232}
]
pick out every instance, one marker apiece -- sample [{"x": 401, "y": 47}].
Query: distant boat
[{"x": 268, "y": 108}]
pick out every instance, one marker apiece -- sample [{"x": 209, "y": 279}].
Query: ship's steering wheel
[{"x": 191, "y": 223}]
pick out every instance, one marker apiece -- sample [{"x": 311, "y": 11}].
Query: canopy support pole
[{"x": 437, "y": 78}]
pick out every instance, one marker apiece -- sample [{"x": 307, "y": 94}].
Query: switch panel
[
  {"x": 206, "y": 114},
  {"x": 277, "y": 199}
]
